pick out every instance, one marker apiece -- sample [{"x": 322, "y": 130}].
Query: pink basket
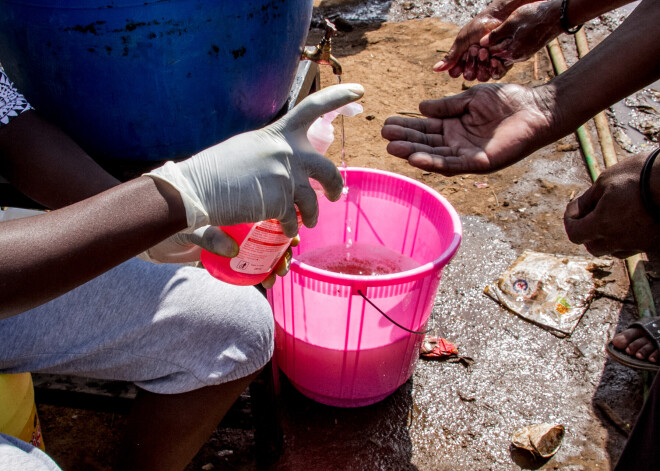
[{"x": 331, "y": 342}]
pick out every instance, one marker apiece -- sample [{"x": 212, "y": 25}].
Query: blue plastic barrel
[{"x": 153, "y": 79}]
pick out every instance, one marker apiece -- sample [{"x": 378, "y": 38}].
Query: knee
[
  {"x": 260, "y": 324},
  {"x": 244, "y": 319},
  {"x": 234, "y": 333}
]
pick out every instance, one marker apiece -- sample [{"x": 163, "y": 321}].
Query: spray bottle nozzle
[
  {"x": 349, "y": 110},
  {"x": 321, "y": 134}
]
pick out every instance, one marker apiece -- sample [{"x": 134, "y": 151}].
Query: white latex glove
[
  {"x": 261, "y": 174},
  {"x": 186, "y": 248}
]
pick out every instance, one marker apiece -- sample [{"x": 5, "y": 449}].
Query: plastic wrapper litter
[{"x": 552, "y": 291}]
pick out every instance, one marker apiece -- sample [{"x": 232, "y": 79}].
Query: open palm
[{"x": 485, "y": 129}]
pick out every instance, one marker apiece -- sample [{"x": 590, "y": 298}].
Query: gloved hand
[
  {"x": 186, "y": 248},
  {"x": 261, "y": 174}
]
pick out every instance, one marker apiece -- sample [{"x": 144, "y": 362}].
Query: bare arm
[
  {"x": 581, "y": 11},
  {"x": 626, "y": 61},
  {"x": 45, "y": 256},
  {"x": 42, "y": 257}
]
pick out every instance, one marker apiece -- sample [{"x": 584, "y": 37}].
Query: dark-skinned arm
[
  {"x": 44, "y": 256},
  {"x": 46, "y": 165},
  {"x": 623, "y": 63}
]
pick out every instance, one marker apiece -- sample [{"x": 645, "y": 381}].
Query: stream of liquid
[{"x": 348, "y": 223}]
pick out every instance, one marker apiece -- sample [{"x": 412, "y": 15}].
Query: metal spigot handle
[
  {"x": 330, "y": 30},
  {"x": 322, "y": 53}
]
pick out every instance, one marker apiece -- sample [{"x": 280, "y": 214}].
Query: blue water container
[{"x": 151, "y": 80}]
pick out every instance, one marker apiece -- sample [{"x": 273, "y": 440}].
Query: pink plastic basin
[{"x": 332, "y": 344}]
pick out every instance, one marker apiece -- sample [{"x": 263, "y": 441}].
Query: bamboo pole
[{"x": 602, "y": 124}]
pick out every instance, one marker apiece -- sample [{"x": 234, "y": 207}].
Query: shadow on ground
[
  {"x": 323, "y": 437},
  {"x": 316, "y": 436}
]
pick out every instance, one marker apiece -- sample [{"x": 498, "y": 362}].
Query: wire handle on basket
[{"x": 422, "y": 332}]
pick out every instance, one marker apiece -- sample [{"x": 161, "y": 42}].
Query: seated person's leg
[
  {"x": 641, "y": 452},
  {"x": 170, "y": 329}
]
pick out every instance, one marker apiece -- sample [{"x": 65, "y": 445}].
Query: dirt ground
[{"x": 518, "y": 208}]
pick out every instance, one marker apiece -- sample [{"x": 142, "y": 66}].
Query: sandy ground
[{"x": 447, "y": 416}]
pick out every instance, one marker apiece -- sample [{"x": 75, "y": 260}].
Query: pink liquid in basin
[{"x": 358, "y": 259}]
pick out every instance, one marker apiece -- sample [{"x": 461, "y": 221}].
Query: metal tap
[{"x": 321, "y": 53}]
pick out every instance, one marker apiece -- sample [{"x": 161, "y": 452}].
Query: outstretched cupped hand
[{"x": 484, "y": 129}]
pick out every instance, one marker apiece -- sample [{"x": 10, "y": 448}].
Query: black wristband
[
  {"x": 563, "y": 19},
  {"x": 645, "y": 188}
]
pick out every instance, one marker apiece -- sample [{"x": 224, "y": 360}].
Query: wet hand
[
  {"x": 482, "y": 130},
  {"x": 477, "y": 64},
  {"x": 466, "y": 57},
  {"x": 528, "y": 29}
]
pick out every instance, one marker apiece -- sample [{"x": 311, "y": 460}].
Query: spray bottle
[{"x": 262, "y": 244}]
